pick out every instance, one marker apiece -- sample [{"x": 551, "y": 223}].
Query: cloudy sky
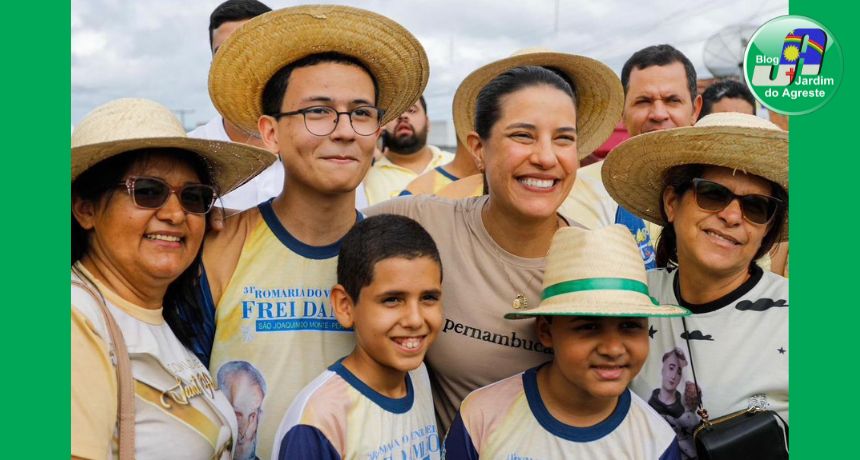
[{"x": 159, "y": 49}]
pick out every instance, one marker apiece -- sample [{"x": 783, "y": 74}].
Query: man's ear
[
  {"x": 697, "y": 108},
  {"x": 476, "y": 148},
  {"x": 84, "y": 212},
  {"x": 343, "y": 306},
  {"x": 542, "y": 326},
  {"x": 268, "y": 127}
]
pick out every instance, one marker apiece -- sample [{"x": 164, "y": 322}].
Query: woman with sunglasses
[
  {"x": 140, "y": 192},
  {"x": 720, "y": 191}
]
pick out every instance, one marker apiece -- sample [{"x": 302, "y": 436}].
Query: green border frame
[
  {"x": 36, "y": 120},
  {"x": 823, "y": 174},
  {"x": 36, "y": 124}
]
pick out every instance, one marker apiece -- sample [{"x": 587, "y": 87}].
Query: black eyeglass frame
[
  {"x": 130, "y": 182},
  {"x": 303, "y": 112},
  {"x": 741, "y": 200}
]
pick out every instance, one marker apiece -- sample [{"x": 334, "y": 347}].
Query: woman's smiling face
[
  {"x": 718, "y": 242},
  {"x": 530, "y": 155}
]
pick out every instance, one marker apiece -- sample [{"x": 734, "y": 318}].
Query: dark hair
[
  {"x": 182, "y": 303},
  {"x": 659, "y": 55},
  {"x": 724, "y": 89},
  {"x": 378, "y": 238},
  {"x": 680, "y": 178},
  {"x": 234, "y": 10},
  {"x": 276, "y": 87},
  {"x": 487, "y": 104},
  {"x": 423, "y": 103}
]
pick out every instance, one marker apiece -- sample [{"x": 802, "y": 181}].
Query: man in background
[
  {"x": 406, "y": 155},
  {"x": 225, "y": 19}
]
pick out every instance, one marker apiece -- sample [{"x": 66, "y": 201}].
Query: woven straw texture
[
  {"x": 608, "y": 252},
  {"x": 634, "y": 173},
  {"x": 600, "y": 97},
  {"x": 265, "y": 44},
  {"x": 124, "y": 125}
]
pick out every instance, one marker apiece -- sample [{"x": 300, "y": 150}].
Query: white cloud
[{"x": 159, "y": 48}]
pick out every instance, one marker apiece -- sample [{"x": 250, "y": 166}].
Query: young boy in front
[
  {"x": 593, "y": 314},
  {"x": 375, "y": 402}
]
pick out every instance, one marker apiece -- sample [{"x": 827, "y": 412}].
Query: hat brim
[
  {"x": 600, "y": 96},
  {"x": 634, "y": 173},
  {"x": 231, "y": 164},
  {"x": 600, "y": 303},
  {"x": 246, "y": 62}
]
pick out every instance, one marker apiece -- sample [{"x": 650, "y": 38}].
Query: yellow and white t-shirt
[
  {"x": 272, "y": 310},
  {"x": 509, "y": 420},
  {"x": 385, "y": 180},
  {"x": 179, "y": 412},
  {"x": 338, "y": 416}
]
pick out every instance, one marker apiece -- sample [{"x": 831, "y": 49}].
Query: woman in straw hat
[
  {"x": 720, "y": 189},
  {"x": 534, "y": 115},
  {"x": 140, "y": 192}
]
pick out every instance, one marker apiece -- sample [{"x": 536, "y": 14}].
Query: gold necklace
[{"x": 521, "y": 302}]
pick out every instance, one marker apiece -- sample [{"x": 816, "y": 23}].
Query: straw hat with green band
[
  {"x": 635, "y": 172},
  {"x": 123, "y": 125},
  {"x": 596, "y": 273},
  {"x": 246, "y": 62},
  {"x": 599, "y": 95}
]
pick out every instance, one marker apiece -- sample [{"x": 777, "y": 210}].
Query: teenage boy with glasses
[{"x": 269, "y": 272}]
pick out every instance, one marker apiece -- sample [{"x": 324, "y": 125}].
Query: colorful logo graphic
[{"x": 793, "y": 65}]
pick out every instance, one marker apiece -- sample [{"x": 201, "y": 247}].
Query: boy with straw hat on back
[{"x": 594, "y": 314}]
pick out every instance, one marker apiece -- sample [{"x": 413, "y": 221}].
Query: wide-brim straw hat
[
  {"x": 247, "y": 60},
  {"x": 596, "y": 273},
  {"x": 599, "y": 94},
  {"x": 124, "y": 125},
  {"x": 634, "y": 173}
]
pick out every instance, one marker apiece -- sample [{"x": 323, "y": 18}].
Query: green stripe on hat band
[{"x": 594, "y": 284}]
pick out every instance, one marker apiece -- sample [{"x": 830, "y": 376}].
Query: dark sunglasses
[
  {"x": 713, "y": 197},
  {"x": 152, "y": 193}
]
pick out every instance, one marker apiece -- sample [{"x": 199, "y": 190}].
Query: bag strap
[
  {"x": 125, "y": 381},
  {"x": 703, "y": 413}
]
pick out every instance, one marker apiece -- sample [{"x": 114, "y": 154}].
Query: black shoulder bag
[{"x": 754, "y": 432}]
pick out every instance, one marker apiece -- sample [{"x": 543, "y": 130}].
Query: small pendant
[{"x": 520, "y": 302}]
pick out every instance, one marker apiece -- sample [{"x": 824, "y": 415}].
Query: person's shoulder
[
  {"x": 235, "y": 226},
  {"x": 423, "y": 184},
  {"x": 493, "y": 398},
  {"x": 443, "y": 156},
  {"x": 775, "y": 283},
  {"x": 469, "y": 186},
  {"x": 420, "y": 208},
  {"x": 321, "y": 404},
  {"x": 642, "y": 413}
]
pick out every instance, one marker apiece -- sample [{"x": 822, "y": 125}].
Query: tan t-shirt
[{"x": 477, "y": 346}]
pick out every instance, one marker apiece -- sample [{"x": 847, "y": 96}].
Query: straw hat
[
  {"x": 246, "y": 62},
  {"x": 596, "y": 273},
  {"x": 599, "y": 95},
  {"x": 634, "y": 173},
  {"x": 124, "y": 125}
]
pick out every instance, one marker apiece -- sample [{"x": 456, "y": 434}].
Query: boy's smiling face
[
  {"x": 397, "y": 316},
  {"x": 596, "y": 356}
]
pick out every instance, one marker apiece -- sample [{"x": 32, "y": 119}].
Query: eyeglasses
[
  {"x": 152, "y": 193},
  {"x": 713, "y": 197},
  {"x": 321, "y": 120}
]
